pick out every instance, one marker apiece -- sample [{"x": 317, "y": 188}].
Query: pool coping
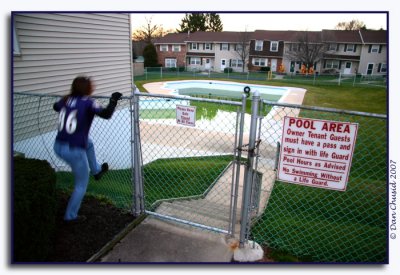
[{"x": 292, "y": 96}]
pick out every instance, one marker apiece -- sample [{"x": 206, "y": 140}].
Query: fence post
[
  {"x": 145, "y": 72},
  {"x": 248, "y": 178},
  {"x": 340, "y": 76},
  {"x": 137, "y": 158},
  {"x": 161, "y": 72},
  {"x": 236, "y": 173}
]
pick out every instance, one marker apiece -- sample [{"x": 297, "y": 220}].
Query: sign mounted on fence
[
  {"x": 317, "y": 153},
  {"x": 186, "y": 115}
]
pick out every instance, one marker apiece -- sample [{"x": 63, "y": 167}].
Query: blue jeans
[{"x": 80, "y": 160}]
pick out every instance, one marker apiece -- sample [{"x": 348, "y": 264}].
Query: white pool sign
[
  {"x": 316, "y": 152},
  {"x": 186, "y": 115}
]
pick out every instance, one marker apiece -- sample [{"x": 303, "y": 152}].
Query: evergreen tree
[
  {"x": 214, "y": 23},
  {"x": 150, "y": 56},
  {"x": 194, "y": 22}
]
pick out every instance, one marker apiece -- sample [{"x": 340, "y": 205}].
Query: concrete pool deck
[{"x": 293, "y": 96}]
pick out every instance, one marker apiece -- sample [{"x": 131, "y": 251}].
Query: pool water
[{"x": 222, "y": 89}]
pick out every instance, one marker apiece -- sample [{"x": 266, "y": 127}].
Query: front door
[
  {"x": 370, "y": 68},
  {"x": 274, "y": 63},
  {"x": 347, "y": 68},
  {"x": 223, "y": 64},
  {"x": 207, "y": 62}
]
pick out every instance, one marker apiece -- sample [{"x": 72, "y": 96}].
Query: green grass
[
  {"x": 331, "y": 226},
  {"x": 163, "y": 179},
  {"x": 326, "y": 226},
  {"x": 309, "y": 223},
  {"x": 363, "y": 99},
  {"x": 182, "y": 177}
]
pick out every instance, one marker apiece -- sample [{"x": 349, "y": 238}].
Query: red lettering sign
[{"x": 316, "y": 152}]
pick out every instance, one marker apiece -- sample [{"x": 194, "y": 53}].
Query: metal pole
[
  {"x": 139, "y": 198},
  {"x": 236, "y": 171},
  {"x": 244, "y": 225},
  {"x": 131, "y": 107}
]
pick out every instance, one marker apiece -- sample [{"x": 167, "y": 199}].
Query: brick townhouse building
[{"x": 347, "y": 52}]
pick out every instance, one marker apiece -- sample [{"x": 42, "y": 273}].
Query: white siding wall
[{"x": 55, "y": 48}]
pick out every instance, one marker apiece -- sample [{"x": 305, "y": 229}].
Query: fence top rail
[
  {"x": 56, "y": 96},
  {"x": 323, "y": 109},
  {"x": 235, "y": 103}
]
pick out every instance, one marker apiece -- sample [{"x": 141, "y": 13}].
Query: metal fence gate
[{"x": 191, "y": 175}]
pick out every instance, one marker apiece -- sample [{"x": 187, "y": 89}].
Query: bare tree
[
  {"x": 308, "y": 49},
  {"x": 242, "y": 48},
  {"x": 353, "y": 25},
  {"x": 148, "y": 32}
]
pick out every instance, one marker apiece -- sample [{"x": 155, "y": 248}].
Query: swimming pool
[{"x": 223, "y": 89}]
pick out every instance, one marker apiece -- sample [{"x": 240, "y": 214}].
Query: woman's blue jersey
[{"x": 75, "y": 118}]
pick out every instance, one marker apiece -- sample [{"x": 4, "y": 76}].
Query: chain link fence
[
  {"x": 323, "y": 225},
  {"x": 333, "y": 79},
  {"x": 195, "y": 175},
  {"x": 34, "y": 132}
]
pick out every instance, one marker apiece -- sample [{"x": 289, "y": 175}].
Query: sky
[{"x": 240, "y": 21}]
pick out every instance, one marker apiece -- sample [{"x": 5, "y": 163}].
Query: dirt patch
[{"x": 78, "y": 242}]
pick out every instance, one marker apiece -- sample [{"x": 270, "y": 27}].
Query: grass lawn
[
  {"x": 312, "y": 223},
  {"x": 331, "y": 226},
  {"x": 369, "y": 99},
  {"x": 163, "y": 179}
]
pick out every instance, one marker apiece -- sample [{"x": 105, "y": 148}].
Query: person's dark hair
[{"x": 81, "y": 86}]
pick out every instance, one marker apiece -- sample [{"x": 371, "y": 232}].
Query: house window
[
  {"x": 195, "y": 61},
  {"x": 170, "y": 62},
  {"x": 207, "y": 46},
  {"x": 163, "y": 48},
  {"x": 332, "y": 64},
  {"x": 236, "y": 63},
  {"x": 239, "y": 47},
  {"x": 294, "y": 47},
  {"x": 259, "y": 45},
  {"x": 176, "y": 48},
  {"x": 259, "y": 62},
  {"x": 382, "y": 68},
  {"x": 349, "y": 48},
  {"x": 194, "y": 46},
  {"x": 224, "y": 47},
  {"x": 375, "y": 48},
  {"x": 274, "y": 46},
  {"x": 332, "y": 47}
]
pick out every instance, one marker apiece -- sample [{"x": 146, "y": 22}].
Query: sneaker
[
  {"x": 79, "y": 219},
  {"x": 104, "y": 169}
]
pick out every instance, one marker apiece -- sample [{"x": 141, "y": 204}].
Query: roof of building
[
  {"x": 326, "y": 36},
  {"x": 340, "y": 36},
  {"x": 372, "y": 36},
  {"x": 172, "y": 38},
  {"x": 218, "y": 36}
]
